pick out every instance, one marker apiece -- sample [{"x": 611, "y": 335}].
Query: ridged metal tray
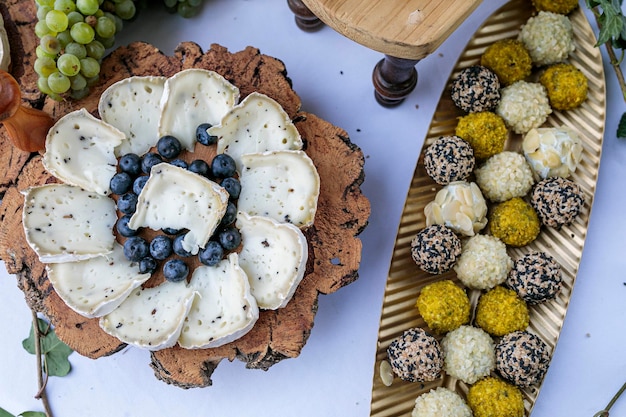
[{"x": 405, "y": 280}]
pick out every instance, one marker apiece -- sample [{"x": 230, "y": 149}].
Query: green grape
[
  {"x": 119, "y": 23},
  {"x": 49, "y": 3},
  {"x": 186, "y": 10},
  {"x": 77, "y": 49},
  {"x": 68, "y": 65},
  {"x": 42, "y": 29},
  {"x": 82, "y": 33},
  {"x": 65, "y": 6},
  {"x": 78, "y": 82},
  {"x": 170, "y": 3},
  {"x": 99, "y": 13},
  {"x": 93, "y": 80},
  {"x": 87, "y": 7},
  {"x": 45, "y": 66},
  {"x": 89, "y": 67},
  {"x": 42, "y": 84},
  {"x": 194, "y": 3},
  {"x": 77, "y": 94},
  {"x": 105, "y": 27},
  {"x": 42, "y": 11},
  {"x": 95, "y": 50},
  {"x": 58, "y": 83},
  {"x": 107, "y": 42},
  {"x": 41, "y": 53},
  {"x": 50, "y": 44},
  {"x": 64, "y": 38},
  {"x": 125, "y": 9},
  {"x": 56, "y": 20},
  {"x": 74, "y": 17}
]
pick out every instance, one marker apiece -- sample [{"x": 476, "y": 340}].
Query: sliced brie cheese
[
  {"x": 97, "y": 286},
  {"x": 177, "y": 198},
  {"x": 151, "y": 318},
  {"x": 257, "y": 124},
  {"x": 80, "y": 150},
  {"x": 192, "y": 97},
  {"x": 274, "y": 258},
  {"x": 133, "y": 105},
  {"x": 223, "y": 310},
  {"x": 283, "y": 185},
  {"x": 64, "y": 223},
  {"x": 5, "y": 50}
]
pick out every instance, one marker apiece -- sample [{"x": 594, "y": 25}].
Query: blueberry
[
  {"x": 139, "y": 183},
  {"x": 171, "y": 231},
  {"x": 130, "y": 163},
  {"x": 211, "y": 254},
  {"x": 223, "y": 166},
  {"x": 122, "y": 226},
  {"x": 175, "y": 270},
  {"x": 169, "y": 147},
  {"x": 229, "y": 238},
  {"x": 120, "y": 183},
  {"x": 136, "y": 248},
  {"x": 177, "y": 246},
  {"x": 147, "y": 265},
  {"x": 161, "y": 247},
  {"x": 200, "y": 167},
  {"x": 127, "y": 203},
  {"x": 179, "y": 163},
  {"x": 230, "y": 215},
  {"x": 233, "y": 186},
  {"x": 149, "y": 160},
  {"x": 203, "y": 137}
]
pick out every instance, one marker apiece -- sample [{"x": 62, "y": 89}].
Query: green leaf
[
  {"x": 621, "y": 127},
  {"x": 55, "y": 352},
  {"x": 5, "y": 413},
  {"x": 32, "y": 414}
]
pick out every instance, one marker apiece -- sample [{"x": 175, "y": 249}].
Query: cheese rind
[
  {"x": 64, "y": 223},
  {"x": 96, "y": 286},
  {"x": 274, "y": 257},
  {"x": 80, "y": 150},
  {"x": 283, "y": 185},
  {"x": 5, "y": 49},
  {"x": 223, "y": 310},
  {"x": 257, "y": 124},
  {"x": 151, "y": 318},
  {"x": 192, "y": 97},
  {"x": 133, "y": 105},
  {"x": 177, "y": 198}
]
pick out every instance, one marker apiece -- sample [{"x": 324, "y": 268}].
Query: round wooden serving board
[{"x": 334, "y": 246}]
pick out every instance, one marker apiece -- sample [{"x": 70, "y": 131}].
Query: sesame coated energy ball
[
  {"x": 415, "y": 356},
  {"x": 515, "y": 222},
  {"x": 500, "y": 311},
  {"x": 431, "y": 404},
  {"x": 522, "y": 358},
  {"x": 523, "y": 106},
  {"x": 449, "y": 159},
  {"x": 492, "y": 396},
  {"x": 556, "y": 6},
  {"x": 535, "y": 277},
  {"x": 468, "y": 354},
  {"x": 444, "y": 306},
  {"x": 504, "y": 176},
  {"x": 557, "y": 201},
  {"x": 566, "y": 86},
  {"x": 435, "y": 249},
  {"x": 485, "y": 131},
  {"x": 476, "y": 89},
  {"x": 484, "y": 262},
  {"x": 509, "y": 59},
  {"x": 548, "y": 37},
  {"x": 552, "y": 151}
]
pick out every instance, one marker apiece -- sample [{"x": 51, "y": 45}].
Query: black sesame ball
[
  {"x": 415, "y": 356},
  {"x": 435, "y": 249},
  {"x": 476, "y": 89},
  {"x": 557, "y": 201},
  {"x": 522, "y": 358},
  {"x": 449, "y": 159},
  {"x": 535, "y": 277}
]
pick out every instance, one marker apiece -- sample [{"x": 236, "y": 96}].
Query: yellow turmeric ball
[
  {"x": 444, "y": 306},
  {"x": 515, "y": 222},
  {"x": 491, "y": 397},
  {"x": 566, "y": 86},
  {"x": 509, "y": 59},
  {"x": 501, "y": 311},
  {"x": 556, "y": 6},
  {"x": 485, "y": 131}
]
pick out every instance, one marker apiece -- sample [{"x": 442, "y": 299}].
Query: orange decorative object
[{"x": 27, "y": 127}]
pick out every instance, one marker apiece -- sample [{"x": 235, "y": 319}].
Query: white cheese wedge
[
  {"x": 257, "y": 124},
  {"x": 64, "y": 223},
  {"x": 133, "y": 105},
  {"x": 283, "y": 185},
  {"x": 274, "y": 257},
  {"x": 5, "y": 49},
  {"x": 151, "y": 318},
  {"x": 192, "y": 97},
  {"x": 97, "y": 286},
  {"x": 177, "y": 198},
  {"x": 223, "y": 310},
  {"x": 80, "y": 150}
]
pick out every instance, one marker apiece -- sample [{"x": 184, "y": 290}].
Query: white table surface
[{"x": 333, "y": 374}]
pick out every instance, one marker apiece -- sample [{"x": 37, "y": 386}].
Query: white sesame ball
[
  {"x": 484, "y": 262},
  {"x": 523, "y": 106},
  {"x": 504, "y": 176},
  {"x": 548, "y": 37},
  {"x": 469, "y": 354},
  {"x": 441, "y": 401}
]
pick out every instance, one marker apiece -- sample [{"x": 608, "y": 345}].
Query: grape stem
[
  {"x": 615, "y": 63},
  {"x": 605, "y": 412},
  {"x": 42, "y": 375}
]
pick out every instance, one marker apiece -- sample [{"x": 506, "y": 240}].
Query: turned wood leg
[
  {"x": 394, "y": 79},
  {"x": 305, "y": 19}
]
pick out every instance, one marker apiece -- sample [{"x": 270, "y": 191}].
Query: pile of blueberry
[{"x": 134, "y": 171}]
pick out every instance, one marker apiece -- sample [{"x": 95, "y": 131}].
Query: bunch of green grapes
[
  {"x": 74, "y": 35},
  {"x": 185, "y": 8}
]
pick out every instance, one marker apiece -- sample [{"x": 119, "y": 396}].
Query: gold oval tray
[{"x": 405, "y": 279}]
